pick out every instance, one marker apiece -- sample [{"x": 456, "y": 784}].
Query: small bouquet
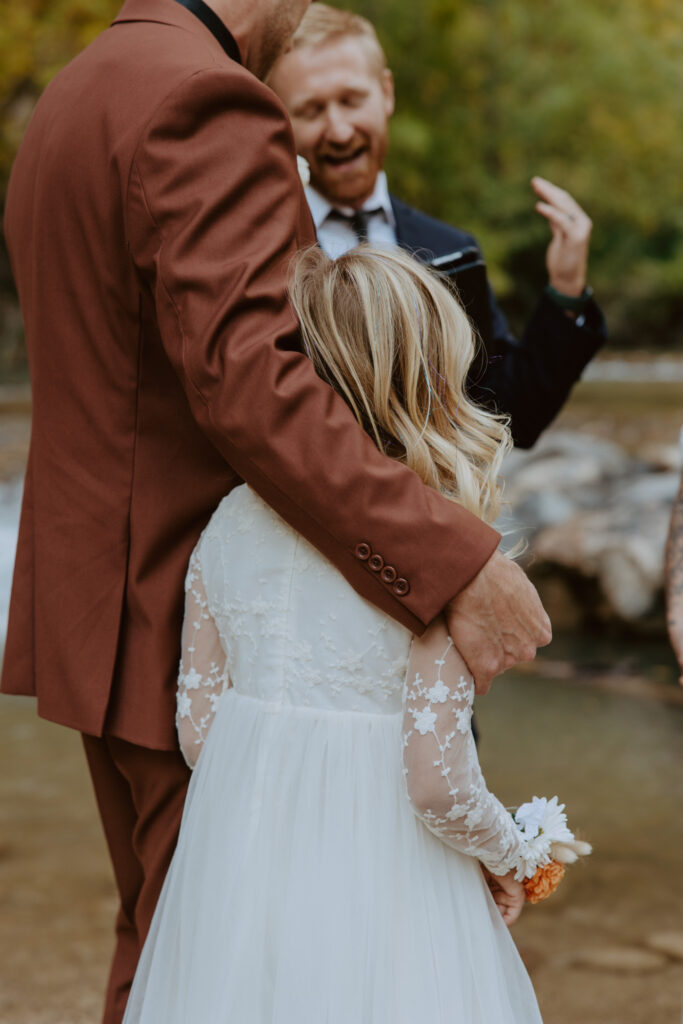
[{"x": 542, "y": 824}]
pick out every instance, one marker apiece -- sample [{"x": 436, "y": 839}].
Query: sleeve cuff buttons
[{"x": 388, "y": 573}]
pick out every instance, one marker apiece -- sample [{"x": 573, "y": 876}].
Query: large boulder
[
  {"x": 594, "y": 520},
  {"x": 621, "y": 547}
]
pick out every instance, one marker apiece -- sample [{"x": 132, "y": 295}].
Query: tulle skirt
[{"x": 304, "y": 890}]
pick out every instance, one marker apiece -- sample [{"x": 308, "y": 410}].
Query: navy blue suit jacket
[{"x": 530, "y": 379}]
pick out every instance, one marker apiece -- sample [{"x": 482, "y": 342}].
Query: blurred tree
[
  {"x": 491, "y": 92},
  {"x": 588, "y": 95},
  {"x": 37, "y": 37}
]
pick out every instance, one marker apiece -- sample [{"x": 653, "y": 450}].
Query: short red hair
[{"x": 323, "y": 24}]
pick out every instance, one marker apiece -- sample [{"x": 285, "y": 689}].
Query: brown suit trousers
[{"x": 140, "y": 795}]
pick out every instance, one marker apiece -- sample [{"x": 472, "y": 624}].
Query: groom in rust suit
[{"x": 152, "y": 213}]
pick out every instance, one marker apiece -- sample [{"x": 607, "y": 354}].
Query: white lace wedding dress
[{"x": 326, "y": 870}]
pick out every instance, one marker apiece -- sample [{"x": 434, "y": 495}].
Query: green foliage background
[{"x": 489, "y": 93}]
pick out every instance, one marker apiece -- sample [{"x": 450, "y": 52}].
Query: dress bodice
[{"x": 293, "y": 630}]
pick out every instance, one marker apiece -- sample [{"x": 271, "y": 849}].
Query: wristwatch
[{"x": 574, "y": 303}]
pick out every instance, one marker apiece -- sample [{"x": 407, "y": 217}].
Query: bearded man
[{"x": 339, "y": 93}]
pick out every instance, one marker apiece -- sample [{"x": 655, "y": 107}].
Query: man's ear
[{"x": 388, "y": 91}]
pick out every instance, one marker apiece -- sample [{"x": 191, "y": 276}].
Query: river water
[
  {"x": 636, "y": 368},
  {"x": 10, "y": 503}
]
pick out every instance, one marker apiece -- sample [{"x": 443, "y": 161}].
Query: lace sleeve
[
  {"x": 203, "y": 673},
  {"x": 444, "y": 781}
]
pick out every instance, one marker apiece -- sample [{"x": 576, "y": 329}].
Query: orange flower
[{"x": 544, "y": 882}]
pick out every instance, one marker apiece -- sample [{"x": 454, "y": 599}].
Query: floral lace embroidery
[
  {"x": 267, "y": 612},
  {"x": 316, "y": 654},
  {"x": 203, "y": 675},
  {"x": 443, "y": 778}
]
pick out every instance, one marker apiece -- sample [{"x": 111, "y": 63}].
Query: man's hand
[
  {"x": 497, "y": 620},
  {"x": 508, "y": 895},
  {"x": 567, "y": 255}
]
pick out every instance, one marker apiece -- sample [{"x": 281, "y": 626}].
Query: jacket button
[
  {"x": 363, "y": 551},
  {"x": 401, "y": 587},
  {"x": 376, "y": 563},
  {"x": 389, "y": 574}
]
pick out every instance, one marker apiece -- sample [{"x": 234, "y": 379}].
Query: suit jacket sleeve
[
  {"x": 214, "y": 215},
  {"x": 531, "y": 380}
]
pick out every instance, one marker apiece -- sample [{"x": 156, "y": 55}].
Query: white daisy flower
[{"x": 543, "y": 817}]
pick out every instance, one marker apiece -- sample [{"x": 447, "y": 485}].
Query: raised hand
[
  {"x": 497, "y": 621},
  {"x": 567, "y": 254}
]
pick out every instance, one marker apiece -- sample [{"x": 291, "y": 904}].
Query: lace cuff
[
  {"x": 444, "y": 780},
  {"x": 203, "y": 674}
]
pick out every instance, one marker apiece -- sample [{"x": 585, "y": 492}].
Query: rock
[
  {"x": 546, "y": 508},
  {"x": 555, "y": 474},
  {"x": 567, "y": 444},
  {"x": 668, "y": 943},
  {"x": 661, "y": 457},
  {"x": 620, "y": 960},
  {"x": 620, "y": 545},
  {"x": 596, "y": 518},
  {"x": 575, "y": 544},
  {"x": 631, "y": 571},
  {"x": 562, "y": 461},
  {"x": 562, "y": 604},
  {"x": 650, "y": 488}
]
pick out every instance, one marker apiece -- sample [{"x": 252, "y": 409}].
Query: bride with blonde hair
[
  {"x": 387, "y": 334},
  {"x": 329, "y": 865}
]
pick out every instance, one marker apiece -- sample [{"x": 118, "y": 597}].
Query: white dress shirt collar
[
  {"x": 335, "y": 237},
  {"x": 379, "y": 200}
]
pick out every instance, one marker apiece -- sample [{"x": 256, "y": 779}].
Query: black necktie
[{"x": 358, "y": 220}]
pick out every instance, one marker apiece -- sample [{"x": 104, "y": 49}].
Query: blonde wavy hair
[{"x": 392, "y": 339}]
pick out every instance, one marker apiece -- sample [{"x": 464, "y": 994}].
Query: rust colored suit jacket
[{"x": 152, "y": 213}]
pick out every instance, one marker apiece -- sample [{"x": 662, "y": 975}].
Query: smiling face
[{"x": 339, "y": 100}]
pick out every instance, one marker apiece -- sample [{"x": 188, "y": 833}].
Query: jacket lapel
[{"x": 409, "y": 234}]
